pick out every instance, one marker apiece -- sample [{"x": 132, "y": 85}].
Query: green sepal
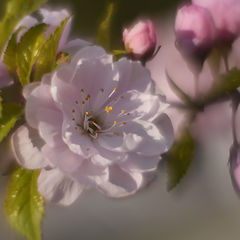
[
  {"x": 179, "y": 158},
  {"x": 117, "y": 54}
]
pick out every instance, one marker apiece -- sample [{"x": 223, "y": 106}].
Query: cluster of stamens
[{"x": 90, "y": 123}]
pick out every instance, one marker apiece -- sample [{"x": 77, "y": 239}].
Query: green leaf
[
  {"x": 181, "y": 94},
  {"x": 15, "y": 11},
  {"x": 10, "y": 56},
  {"x": 24, "y": 206},
  {"x": 103, "y": 38},
  {"x": 28, "y": 50},
  {"x": 179, "y": 158},
  {"x": 47, "y": 64},
  {"x": 225, "y": 85},
  {"x": 11, "y": 112}
]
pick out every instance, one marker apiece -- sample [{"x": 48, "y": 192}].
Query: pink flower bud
[
  {"x": 226, "y": 16},
  {"x": 195, "y": 30},
  {"x": 140, "y": 40}
]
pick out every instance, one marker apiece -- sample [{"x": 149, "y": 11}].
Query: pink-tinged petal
[
  {"x": 225, "y": 14},
  {"x": 27, "y": 90},
  {"x": 5, "y": 78},
  {"x": 65, "y": 35},
  {"x": 194, "y": 28},
  {"x": 77, "y": 140},
  {"x": 96, "y": 78},
  {"x": 73, "y": 46},
  {"x": 26, "y": 146},
  {"x": 138, "y": 163},
  {"x": 27, "y": 22},
  {"x": 57, "y": 187},
  {"x": 130, "y": 106},
  {"x": 62, "y": 158},
  {"x": 54, "y": 19},
  {"x": 81, "y": 83},
  {"x": 165, "y": 127},
  {"x": 132, "y": 75},
  {"x": 111, "y": 141},
  {"x": 121, "y": 183},
  {"x": 107, "y": 157},
  {"x": 145, "y": 138},
  {"x": 50, "y": 126},
  {"x": 39, "y": 97},
  {"x": 90, "y": 174},
  {"x": 90, "y": 53}
]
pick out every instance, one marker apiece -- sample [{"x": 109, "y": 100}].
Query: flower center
[
  {"x": 90, "y": 123},
  {"x": 90, "y": 126}
]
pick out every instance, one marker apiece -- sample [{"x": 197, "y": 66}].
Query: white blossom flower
[{"x": 93, "y": 123}]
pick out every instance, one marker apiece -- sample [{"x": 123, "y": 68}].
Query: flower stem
[
  {"x": 235, "y": 104},
  {"x": 196, "y": 79},
  {"x": 225, "y": 60}
]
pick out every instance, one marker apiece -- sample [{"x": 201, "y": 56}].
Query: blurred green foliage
[{"x": 88, "y": 14}]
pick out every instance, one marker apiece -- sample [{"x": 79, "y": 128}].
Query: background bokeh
[{"x": 203, "y": 206}]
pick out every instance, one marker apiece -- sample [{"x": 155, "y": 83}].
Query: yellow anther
[
  {"x": 123, "y": 111},
  {"x": 87, "y": 113},
  {"x": 108, "y": 109},
  {"x": 115, "y": 123},
  {"x": 115, "y": 89}
]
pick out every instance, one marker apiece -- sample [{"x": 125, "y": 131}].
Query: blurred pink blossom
[
  {"x": 195, "y": 30},
  {"x": 140, "y": 40},
  {"x": 214, "y": 118},
  {"x": 226, "y": 17},
  {"x": 93, "y": 123}
]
